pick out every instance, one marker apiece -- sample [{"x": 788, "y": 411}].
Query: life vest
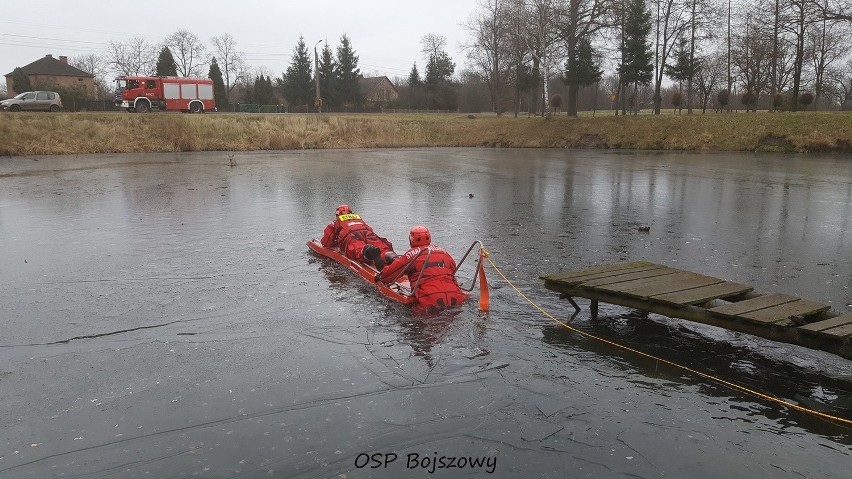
[
  {"x": 435, "y": 279},
  {"x": 351, "y": 226}
]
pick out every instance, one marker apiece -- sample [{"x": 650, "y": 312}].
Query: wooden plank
[
  {"x": 610, "y": 274},
  {"x": 749, "y": 305},
  {"x": 671, "y": 284},
  {"x": 839, "y": 332},
  {"x": 774, "y": 314},
  {"x": 702, "y": 293},
  {"x": 620, "y": 278},
  {"x": 828, "y": 323},
  {"x": 597, "y": 269},
  {"x": 679, "y": 277},
  {"x": 603, "y": 269}
]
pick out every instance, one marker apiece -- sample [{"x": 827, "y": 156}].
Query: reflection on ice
[{"x": 286, "y": 365}]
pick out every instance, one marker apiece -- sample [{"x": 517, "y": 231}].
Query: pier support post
[
  {"x": 570, "y": 300},
  {"x": 593, "y": 307}
]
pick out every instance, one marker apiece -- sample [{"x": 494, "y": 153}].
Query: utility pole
[
  {"x": 748, "y": 76},
  {"x": 730, "y": 79},
  {"x": 317, "y": 100},
  {"x": 775, "y": 55}
]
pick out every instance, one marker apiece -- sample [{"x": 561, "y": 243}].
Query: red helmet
[
  {"x": 419, "y": 236},
  {"x": 343, "y": 210}
]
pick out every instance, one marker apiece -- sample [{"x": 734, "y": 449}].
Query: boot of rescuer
[{"x": 373, "y": 253}]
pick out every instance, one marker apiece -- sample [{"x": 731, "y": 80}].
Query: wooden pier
[{"x": 676, "y": 293}]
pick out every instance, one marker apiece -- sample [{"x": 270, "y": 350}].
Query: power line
[
  {"x": 53, "y": 46},
  {"x": 49, "y": 38}
]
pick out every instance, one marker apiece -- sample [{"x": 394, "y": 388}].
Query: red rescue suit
[
  {"x": 350, "y": 234},
  {"x": 435, "y": 270}
]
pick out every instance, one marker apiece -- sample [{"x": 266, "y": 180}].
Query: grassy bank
[{"x": 82, "y": 133}]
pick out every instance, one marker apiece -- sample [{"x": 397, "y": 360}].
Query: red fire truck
[{"x": 144, "y": 94}]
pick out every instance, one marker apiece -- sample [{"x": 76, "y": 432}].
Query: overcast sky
[{"x": 384, "y": 33}]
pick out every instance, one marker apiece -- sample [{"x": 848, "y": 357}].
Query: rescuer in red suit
[
  {"x": 355, "y": 238},
  {"x": 432, "y": 266}
]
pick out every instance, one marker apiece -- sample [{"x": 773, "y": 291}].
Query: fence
[
  {"x": 76, "y": 104},
  {"x": 255, "y": 108}
]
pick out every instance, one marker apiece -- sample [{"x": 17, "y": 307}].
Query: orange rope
[{"x": 670, "y": 363}]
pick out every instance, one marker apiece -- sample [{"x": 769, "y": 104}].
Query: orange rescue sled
[{"x": 400, "y": 290}]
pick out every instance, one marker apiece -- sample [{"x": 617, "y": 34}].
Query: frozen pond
[{"x": 162, "y": 317}]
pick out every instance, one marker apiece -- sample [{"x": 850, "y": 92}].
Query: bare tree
[
  {"x": 132, "y": 58},
  {"x": 826, "y": 44},
  {"x": 490, "y": 46},
  {"x": 540, "y": 18},
  {"x": 97, "y": 66},
  {"x": 611, "y": 85},
  {"x": 704, "y": 17},
  {"x": 835, "y": 10},
  {"x": 797, "y": 18},
  {"x": 672, "y": 19},
  {"x": 752, "y": 57},
  {"x": 840, "y": 85},
  {"x": 432, "y": 44},
  {"x": 188, "y": 52},
  {"x": 91, "y": 63},
  {"x": 522, "y": 74},
  {"x": 231, "y": 61},
  {"x": 710, "y": 77}
]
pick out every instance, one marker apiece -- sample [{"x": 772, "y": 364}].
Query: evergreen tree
[
  {"x": 220, "y": 95},
  {"x": 525, "y": 78},
  {"x": 297, "y": 84},
  {"x": 584, "y": 71},
  {"x": 20, "y": 81},
  {"x": 636, "y": 66},
  {"x": 439, "y": 70},
  {"x": 581, "y": 69},
  {"x": 439, "y": 85},
  {"x": 682, "y": 69},
  {"x": 166, "y": 65},
  {"x": 414, "y": 80},
  {"x": 328, "y": 79},
  {"x": 414, "y": 84},
  {"x": 348, "y": 73},
  {"x": 257, "y": 90},
  {"x": 262, "y": 93}
]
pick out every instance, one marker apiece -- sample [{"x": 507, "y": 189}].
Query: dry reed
[{"x": 81, "y": 133}]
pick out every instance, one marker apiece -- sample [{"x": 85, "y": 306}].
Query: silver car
[{"x": 33, "y": 101}]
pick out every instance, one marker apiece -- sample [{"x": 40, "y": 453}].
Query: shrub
[
  {"x": 72, "y": 98},
  {"x": 806, "y": 99},
  {"x": 724, "y": 97},
  {"x": 556, "y": 101},
  {"x": 749, "y": 99}
]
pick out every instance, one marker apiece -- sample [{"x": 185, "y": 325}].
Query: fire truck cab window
[
  {"x": 150, "y": 84},
  {"x": 131, "y": 84}
]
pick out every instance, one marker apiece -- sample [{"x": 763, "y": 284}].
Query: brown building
[
  {"x": 48, "y": 72},
  {"x": 377, "y": 91}
]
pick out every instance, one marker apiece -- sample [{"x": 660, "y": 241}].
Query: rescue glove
[{"x": 377, "y": 277}]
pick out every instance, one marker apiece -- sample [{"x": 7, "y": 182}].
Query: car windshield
[{"x": 21, "y": 95}]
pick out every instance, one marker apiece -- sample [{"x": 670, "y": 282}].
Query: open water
[{"x": 161, "y": 316}]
